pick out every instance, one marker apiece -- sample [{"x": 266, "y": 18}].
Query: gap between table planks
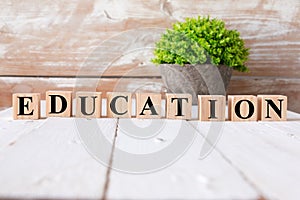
[{"x": 223, "y": 174}]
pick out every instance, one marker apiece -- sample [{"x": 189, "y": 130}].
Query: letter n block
[
  {"x": 272, "y": 107},
  {"x": 26, "y": 106},
  {"x": 211, "y": 107},
  {"x": 242, "y": 108},
  {"x": 148, "y": 105},
  {"x": 88, "y": 104},
  {"x": 58, "y": 103},
  {"x": 119, "y": 104},
  {"x": 178, "y": 106}
]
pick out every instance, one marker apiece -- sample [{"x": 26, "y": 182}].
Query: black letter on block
[
  {"x": 238, "y": 107},
  {"x": 212, "y": 109},
  {"x": 275, "y": 108},
  {"x": 22, "y": 106},
  {"x": 179, "y": 105},
  {"x": 53, "y": 104},
  {"x": 83, "y": 105},
  {"x": 151, "y": 107},
  {"x": 113, "y": 105}
]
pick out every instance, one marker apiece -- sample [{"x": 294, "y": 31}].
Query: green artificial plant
[{"x": 201, "y": 40}]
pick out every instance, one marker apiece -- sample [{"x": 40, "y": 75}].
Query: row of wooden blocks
[{"x": 148, "y": 105}]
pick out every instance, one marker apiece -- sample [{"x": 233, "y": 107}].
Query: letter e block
[
  {"x": 178, "y": 106},
  {"x": 272, "y": 107},
  {"x": 148, "y": 105},
  {"x": 211, "y": 107},
  {"x": 242, "y": 108},
  {"x": 26, "y": 106},
  {"x": 58, "y": 103},
  {"x": 119, "y": 104},
  {"x": 88, "y": 104}
]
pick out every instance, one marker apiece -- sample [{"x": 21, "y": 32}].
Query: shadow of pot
[{"x": 205, "y": 79}]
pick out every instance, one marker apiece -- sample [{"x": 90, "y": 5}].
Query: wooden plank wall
[{"x": 45, "y": 44}]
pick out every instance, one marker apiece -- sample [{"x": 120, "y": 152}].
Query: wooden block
[
  {"x": 178, "y": 106},
  {"x": 26, "y": 105},
  {"x": 148, "y": 105},
  {"x": 119, "y": 104},
  {"x": 242, "y": 108},
  {"x": 211, "y": 107},
  {"x": 58, "y": 103},
  {"x": 272, "y": 107},
  {"x": 88, "y": 104}
]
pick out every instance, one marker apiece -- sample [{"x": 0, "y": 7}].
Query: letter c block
[{"x": 119, "y": 104}]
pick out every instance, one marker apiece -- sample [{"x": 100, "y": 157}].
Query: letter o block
[
  {"x": 26, "y": 106},
  {"x": 148, "y": 105},
  {"x": 272, "y": 107},
  {"x": 88, "y": 104},
  {"x": 178, "y": 106},
  {"x": 242, "y": 108},
  {"x": 58, "y": 103},
  {"x": 119, "y": 104}
]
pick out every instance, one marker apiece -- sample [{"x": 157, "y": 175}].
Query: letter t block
[{"x": 178, "y": 106}]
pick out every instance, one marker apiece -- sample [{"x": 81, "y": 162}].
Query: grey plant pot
[{"x": 205, "y": 79}]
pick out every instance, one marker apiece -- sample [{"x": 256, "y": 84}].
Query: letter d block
[
  {"x": 242, "y": 108},
  {"x": 119, "y": 104},
  {"x": 211, "y": 107},
  {"x": 272, "y": 107},
  {"x": 88, "y": 104},
  {"x": 148, "y": 105},
  {"x": 58, "y": 103},
  {"x": 26, "y": 105},
  {"x": 178, "y": 106}
]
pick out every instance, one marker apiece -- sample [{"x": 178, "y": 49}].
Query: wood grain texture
[{"x": 112, "y": 39}]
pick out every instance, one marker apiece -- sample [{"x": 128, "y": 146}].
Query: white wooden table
[{"x": 45, "y": 159}]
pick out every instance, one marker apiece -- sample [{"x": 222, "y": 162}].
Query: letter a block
[
  {"x": 211, "y": 107},
  {"x": 272, "y": 107},
  {"x": 119, "y": 104},
  {"x": 88, "y": 104},
  {"x": 148, "y": 105},
  {"x": 26, "y": 106},
  {"x": 178, "y": 106},
  {"x": 58, "y": 103},
  {"x": 242, "y": 108}
]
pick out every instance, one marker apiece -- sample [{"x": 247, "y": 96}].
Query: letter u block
[
  {"x": 272, "y": 107},
  {"x": 148, "y": 105},
  {"x": 88, "y": 104},
  {"x": 242, "y": 108},
  {"x": 119, "y": 104},
  {"x": 26, "y": 106},
  {"x": 58, "y": 103}
]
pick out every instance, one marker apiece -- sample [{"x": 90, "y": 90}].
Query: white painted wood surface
[{"x": 253, "y": 160}]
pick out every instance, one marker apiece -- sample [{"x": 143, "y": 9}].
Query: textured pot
[{"x": 196, "y": 79}]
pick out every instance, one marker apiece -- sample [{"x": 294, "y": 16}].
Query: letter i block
[
  {"x": 26, "y": 106},
  {"x": 178, "y": 106},
  {"x": 119, "y": 104},
  {"x": 88, "y": 104},
  {"x": 272, "y": 107},
  {"x": 148, "y": 105},
  {"x": 242, "y": 108},
  {"x": 58, "y": 103},
  {"x": 211, "y": 107}
]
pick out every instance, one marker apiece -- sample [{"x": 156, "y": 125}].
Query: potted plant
[{"x": 197, "y": 56}]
